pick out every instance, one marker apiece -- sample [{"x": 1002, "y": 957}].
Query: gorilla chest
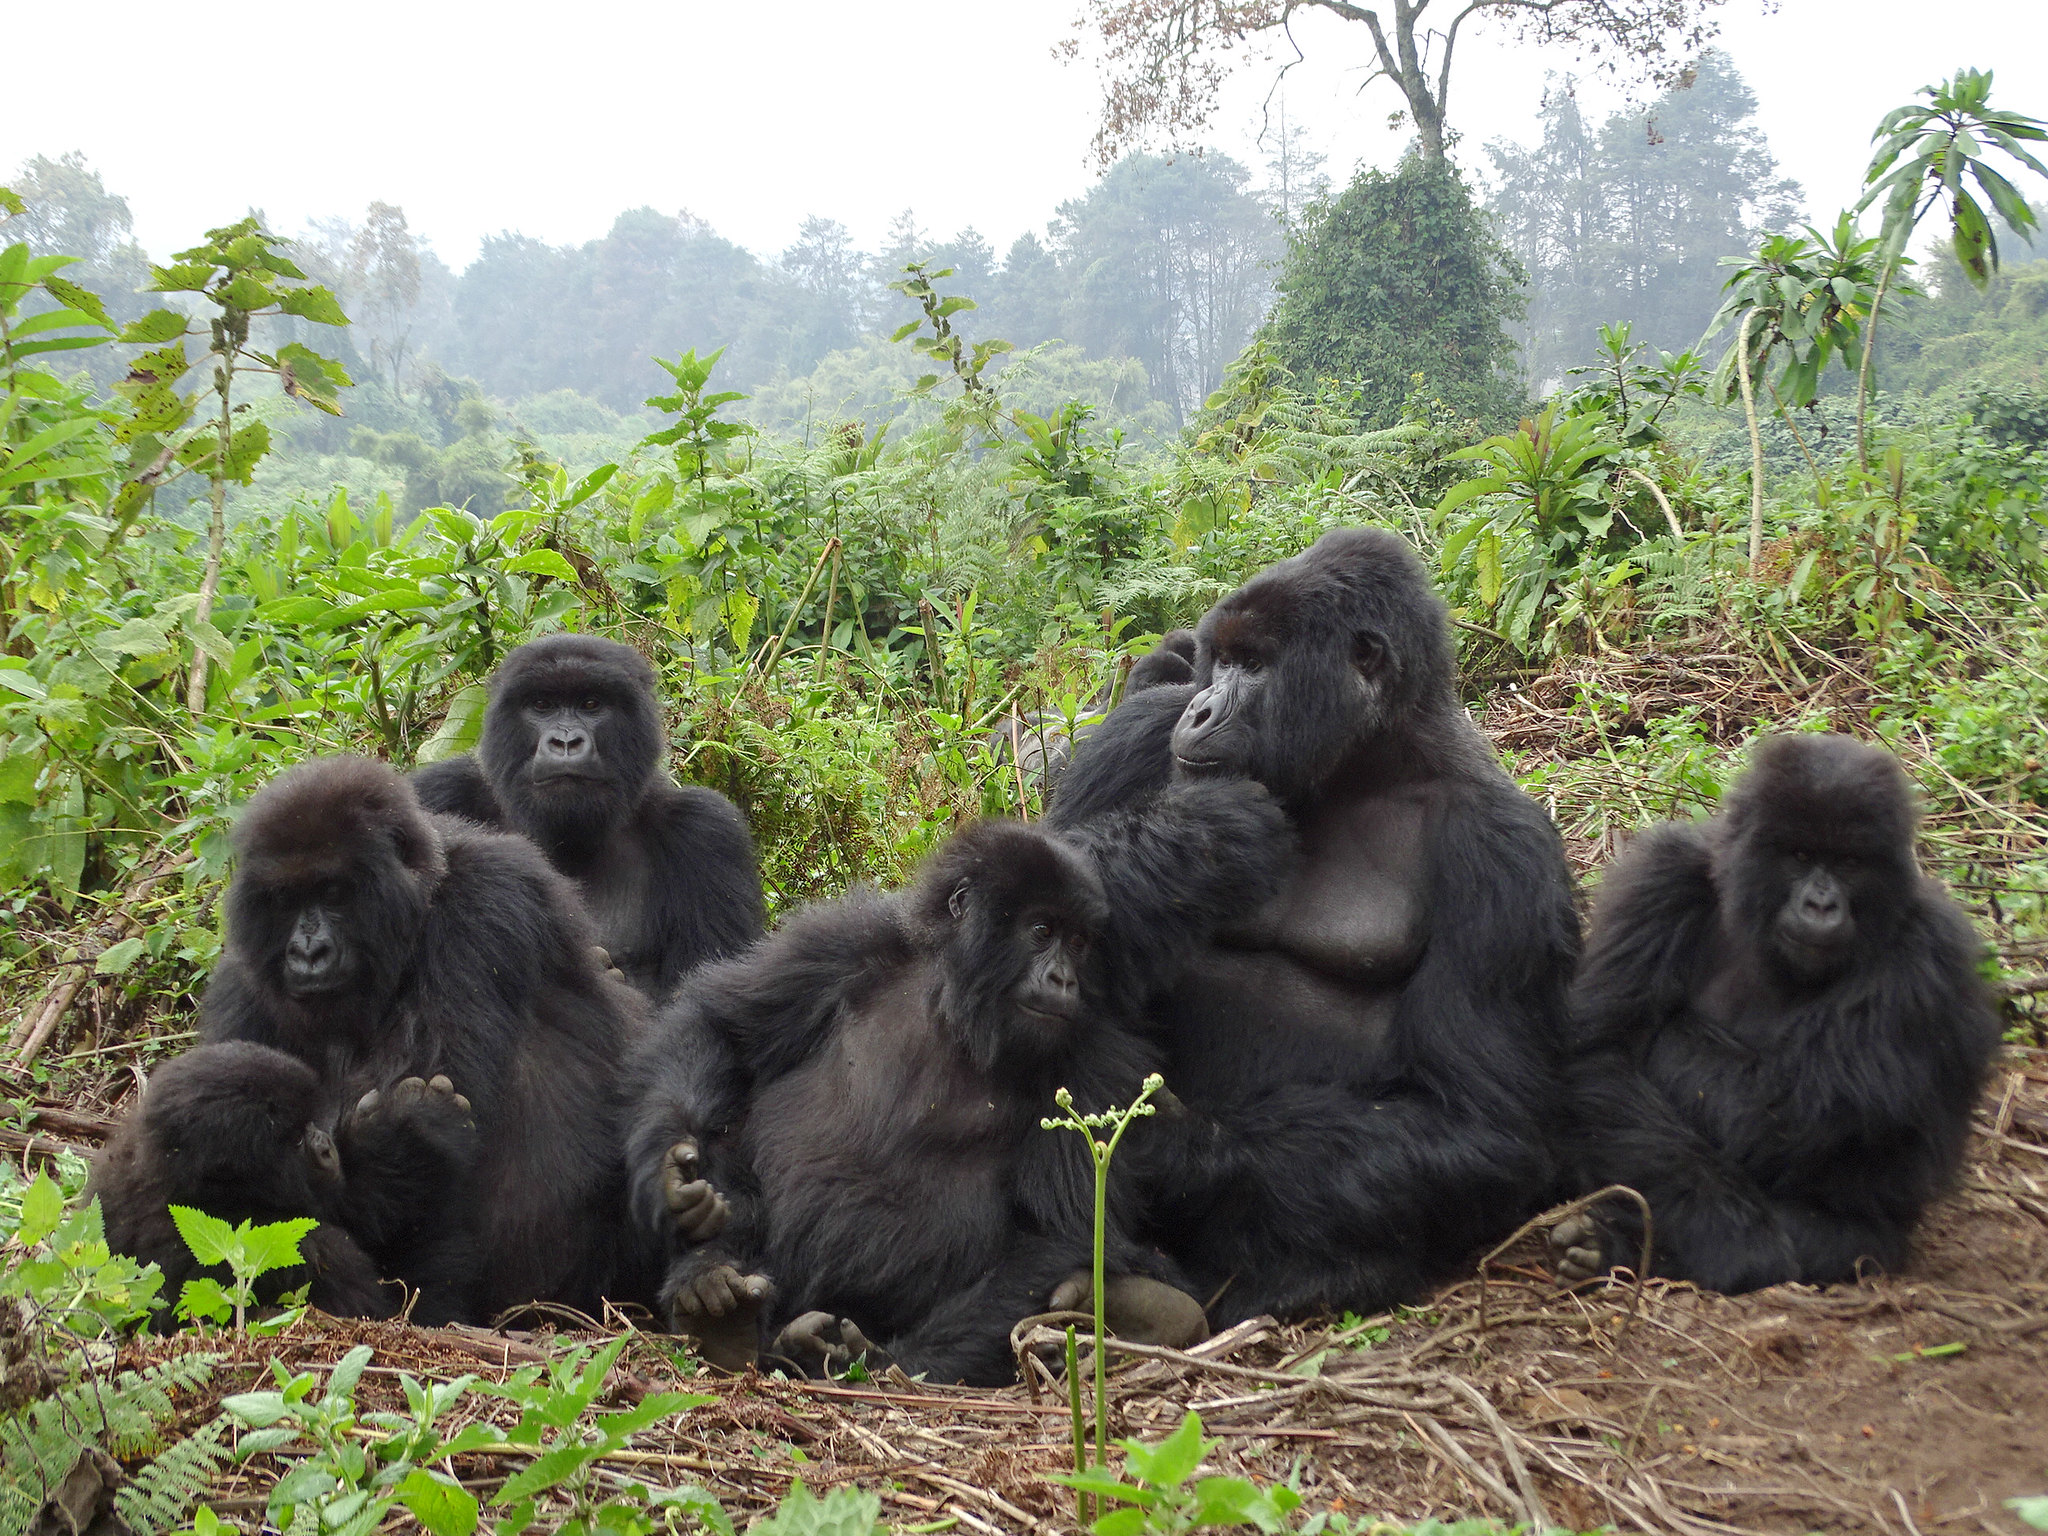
[
  {"x": 1352, "y": 911},
  {"x": 615, "y": 894},
  {"x": 886, "y": 1113}
]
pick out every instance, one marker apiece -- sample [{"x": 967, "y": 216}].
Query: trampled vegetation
[{"x": 1829, "y": 514}]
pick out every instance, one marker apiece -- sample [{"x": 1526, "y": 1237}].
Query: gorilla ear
[
  {"x": 1369, "y": 653},
  {"x": 957, "y": 902}
]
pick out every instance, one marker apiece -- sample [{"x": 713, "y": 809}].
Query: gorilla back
[
  {"x": 571, "y": 758},
  {"x": 1368, "y": 1056},
  {"x": 377, "y": 944}
]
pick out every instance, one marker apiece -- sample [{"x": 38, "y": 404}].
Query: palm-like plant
[{"x": 1929, "y": 153}]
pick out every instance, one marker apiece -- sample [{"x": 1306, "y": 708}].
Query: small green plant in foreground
[
  {"x": 1160, "y": 1493},
  {"x": 66, "y": 1271},
  {"x": 2032, "y": 1510},
  {"x": 1100, "y": 1151},
  {"x": 249, "y": 1251}
]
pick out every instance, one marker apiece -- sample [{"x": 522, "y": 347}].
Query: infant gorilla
[{"x": 842, "y": 1137}]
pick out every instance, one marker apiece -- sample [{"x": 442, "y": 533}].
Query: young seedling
[
  {"x": 249, "y": 1251},
  {"x": 1101, "y": 1149}
]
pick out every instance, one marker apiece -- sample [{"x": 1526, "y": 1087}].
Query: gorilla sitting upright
[
  {"x": 841, "y": 1131},
  {"x": 1780, "y": 1032},
  {"x": 1369, "y": 1056},
  {"x": 571, "y": 758}
]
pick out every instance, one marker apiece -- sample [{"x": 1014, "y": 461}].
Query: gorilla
[
  {"x": 377, "y": 944},
  {"x": 1778, "y": 1032},
  {"x": 1369, "y": 1056},
  {"x": 245, "y": 1133},
  {"x": 841, "y": 1136},
  {"x": 571, "y": 758}
]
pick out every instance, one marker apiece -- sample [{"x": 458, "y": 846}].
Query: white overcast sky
[{"x": 550, "y": 119}]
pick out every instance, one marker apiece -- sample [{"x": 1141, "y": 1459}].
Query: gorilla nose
[
  {"x": 567, "y": 746},
  {"x": 309, "y": 954},
  {"x": 1823, "y": 909}
]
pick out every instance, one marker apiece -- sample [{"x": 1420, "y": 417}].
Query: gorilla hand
[
  {"x": 719, "y": 1309},
  {"x": 1578, "y": 1249},
  {"x": 820, "y": 1344},
  {"x": 1136, "y": 1308},
  {"x": 700, "y": 1211}
]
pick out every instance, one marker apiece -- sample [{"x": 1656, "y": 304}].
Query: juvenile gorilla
[
  {"x": 1780, "y": 1032},
  {"x": 1368, "y": 1057},
  {"x": 863, "y": 1093},
  {"x": 243, "y": 1133},
  {"x": 377, "y": 944},
  {"x": 571, "y": 758}
]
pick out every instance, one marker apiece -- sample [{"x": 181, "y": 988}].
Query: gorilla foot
[
  {"x": 411, "y": 1098},
  {"x": 699, "y": 1210},
  {"x": 1578, "y": 1250},
  {"x": 719, "y": 1311},
  {"x": 1136, "y": 1308},
  {"x": 819, "y": 1344}
]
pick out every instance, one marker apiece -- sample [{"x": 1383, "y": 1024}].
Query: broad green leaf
[
  {"x": 42, "y": 1207},
  {"x": 543, "y": 562},
  {"x": 116, "y": 958},
  {"x": 209, "y": 1238},
  {"x": 444, "y": 1507},
  {"x": 314, "y": 303},
  {"x": 205, "y": 1298},
  {"x": 274, "y": 1245},
  {"x": 348, "y": 1370},
  {"x": 159, "y": 325},
  {"x": 1173, "y": 1461},
  {"x": 245, "y": 448},
  {"x": 546, "y": 1471},
  {"x": 461, "y": 727},
  {"x": 71, "y": 296}
]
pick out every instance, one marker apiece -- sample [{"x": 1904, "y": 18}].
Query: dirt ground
[{"x": 1907, "y": 1406}]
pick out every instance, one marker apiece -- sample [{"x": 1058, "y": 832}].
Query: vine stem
[
  {"x": 1863, "y": 372},
  {"x": 1756, "y": 446}
]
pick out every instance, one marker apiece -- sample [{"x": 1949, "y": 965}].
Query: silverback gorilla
[
  {"x": 571, "y": 758},
  {"x": 863, "y": 1092},
  {"x": 376, "y": 944},
  {"x": 1368, "y": 1057},
  {"x": 1779, "y": 1032}
]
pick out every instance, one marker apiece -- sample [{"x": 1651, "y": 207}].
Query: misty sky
[{"x": 550, "y": 119}]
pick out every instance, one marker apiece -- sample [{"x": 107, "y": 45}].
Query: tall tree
[
  {"x": 384, "y": 288},
  {"x": 1631, "y": 223},
  {"x": 1164, "y": 61},
  {"x": 70, "y": 212},
  {"x": 1170, "y": 262},
  {"x": 1400, "y": 276}
]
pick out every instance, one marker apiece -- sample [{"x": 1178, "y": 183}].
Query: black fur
[
  {"x": 667, "y": 874},
  {"x": 243, "y": 1133},
  {"x": 867, "y": 1091},
  {"x": 1369, "y": 1057},
  {"x": 1788, "y": 1108},
  {"x": 451, "y": 950}
]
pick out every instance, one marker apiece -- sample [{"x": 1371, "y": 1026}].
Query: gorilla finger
[
  {"x": 440, "y": 1084},
  {"x": 463, "y": 1104},
  {"x": 366, "y": 1106},
  {"x": 682, "y": 1157},
  {"x": 852, "y": 1341},
  {"x": 408, "y": 1091},
  {"x": 1071, "y": 1294}
]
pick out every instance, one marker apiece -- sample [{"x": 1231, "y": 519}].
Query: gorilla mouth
[
  {"x": 1198, "y": 764},
  {"x": 1043, "y": 1016}
]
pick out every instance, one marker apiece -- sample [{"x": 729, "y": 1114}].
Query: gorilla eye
[
  {"x": 1041, "y": 934},
  {"x": 541, "y": 704},
  {"x": 592, "y": 705}
]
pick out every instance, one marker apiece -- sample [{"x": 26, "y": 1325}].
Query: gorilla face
[
  {"x": 337, "y": 867},
  {"x": 572, "y": 738},
  {"x": 1312, "y": 660},
  {"x": 1816, "y": 854}
]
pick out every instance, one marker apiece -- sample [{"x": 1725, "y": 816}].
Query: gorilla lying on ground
[
  {"x": 862, "y": 1094},
  {"x": 571, "y": 758},
  {"x": 1369, "y": 1056},
  {"x": 376, "y": 944},
  {"x": 1780, "y": 1032},
  {"x": 244, "y": 1133}
]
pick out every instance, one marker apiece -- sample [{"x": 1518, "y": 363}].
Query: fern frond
[{"x": 162, "y": 1493}]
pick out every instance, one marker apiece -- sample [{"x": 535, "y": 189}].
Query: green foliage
[
  {"x": 59, "y": 1263},
  {"x": 363, "y": 1465},
  {"x": 125, "y": 1416},
  {"x": 2032, "y": 1510},
  {"x": 1807, "y": 295},
  {"x": 249, "y": 1251},
  {"x": 1400, "y": 275},
  {"x": 1160, "y": 1493},
  {"x": 842, "y": 1512}
]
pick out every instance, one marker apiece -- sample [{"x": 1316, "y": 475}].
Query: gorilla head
[
  {"x": 572, "y": 737},
  {"x": 337, "y": 865},
  {"x": 1814, "y": 853},
  {"x": 237, "y": 1125},
  {"x": 1012, "y": 915},
  {"x": 1313, "y": 659}
]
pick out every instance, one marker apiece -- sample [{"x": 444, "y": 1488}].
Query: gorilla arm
[
  {"x": 707, "y": 905},
  {"x": 457, "y": 787}
]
